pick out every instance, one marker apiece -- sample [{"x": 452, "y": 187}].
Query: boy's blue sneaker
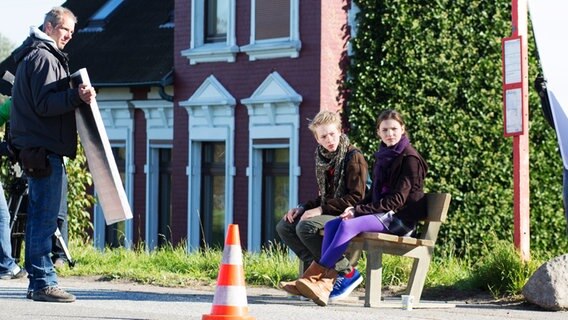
[{"x": 344, "y": 285}]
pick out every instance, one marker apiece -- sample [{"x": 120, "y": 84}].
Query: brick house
[{"x": 207, "y": 116}]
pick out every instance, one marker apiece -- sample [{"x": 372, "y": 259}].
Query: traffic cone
[{"x": 230, "y": 300}]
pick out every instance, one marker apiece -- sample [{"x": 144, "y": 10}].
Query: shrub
[
  {"x": 79, "y": 198},
  {"x": 502, "y": 271}
]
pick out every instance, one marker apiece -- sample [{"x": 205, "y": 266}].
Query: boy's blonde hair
[{"x": 323, "y": 118}]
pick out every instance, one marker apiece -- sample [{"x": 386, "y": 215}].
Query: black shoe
[
  {"x": 52, "y": 294},
  {"x": 29, "y": 294}
]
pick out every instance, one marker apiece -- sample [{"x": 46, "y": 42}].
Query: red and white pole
[{"x": 521, "y": 142}]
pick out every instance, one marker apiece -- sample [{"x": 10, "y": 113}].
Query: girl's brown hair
[{"x": 389, "y": 114}]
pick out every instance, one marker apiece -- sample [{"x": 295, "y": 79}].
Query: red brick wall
[
  {"x": 334, "y": 37},
  {"x": 179, "y": 177},
  {"x": 139, "y": 197},
  {"x": 241, "y": 78}
]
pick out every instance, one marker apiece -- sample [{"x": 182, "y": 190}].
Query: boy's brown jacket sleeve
[{"x": 355, "y": 184}]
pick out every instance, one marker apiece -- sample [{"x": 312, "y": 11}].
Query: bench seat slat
[
  {"x": 385, "y": 237},
  {"x": 376, "y": 236}
]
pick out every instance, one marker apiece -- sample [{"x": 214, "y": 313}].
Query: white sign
[
  {"x": 110, "y": 191},
  {"x": 512, "y": 56},
  {"x": 514, "y": 110}
]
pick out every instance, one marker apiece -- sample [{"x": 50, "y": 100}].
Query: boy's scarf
[{"x": 325, "y": 161}]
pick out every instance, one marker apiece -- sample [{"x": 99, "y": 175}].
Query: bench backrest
[{"x": 437, "y": 207}]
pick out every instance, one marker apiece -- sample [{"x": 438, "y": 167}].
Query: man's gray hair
[{"x": 55, "y": 15}]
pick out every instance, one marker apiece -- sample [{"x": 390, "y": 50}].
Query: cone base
[{"x": 225, "y": 317}]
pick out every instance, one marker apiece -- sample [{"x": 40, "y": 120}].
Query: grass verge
[{"x": 500, "y": 271}]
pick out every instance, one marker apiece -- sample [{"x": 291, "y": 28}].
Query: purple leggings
[{"x": 338, "y": 232}]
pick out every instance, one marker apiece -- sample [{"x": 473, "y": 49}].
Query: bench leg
[
  {"x": 373, "y": 286},
  {"x": 418, "y": 276},
  {"x": 353, "y": 253}
]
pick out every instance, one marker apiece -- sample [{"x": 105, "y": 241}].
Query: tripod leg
[
  {"x": 14, "y": 211},
  {"x": 17, "y": 227},
  {"x": 64, "y": 247}
]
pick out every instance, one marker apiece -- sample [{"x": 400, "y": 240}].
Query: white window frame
[
  {"x": 152, "y": 171},
  {"x": 211, "y": 113},
  {"x": 278, "y": 47},
  {"x": 274, "y": 113},
  {"x": 199, "y": 51}
]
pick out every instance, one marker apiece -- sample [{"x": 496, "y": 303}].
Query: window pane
[
  {"x": 212, "y": 211},
  {"x": 165, "y": 197},
  {"x": 219, "y": 153},
  {"x": 216, "y": 20},
  {"x": 115, "y": 233},
  {"x": 119, "y": 154},
  {"x": 101, "y": 17},
  {"x": 218, "y": 221},
  {"x": 106, "y": 10},
  {"x": 282, "y": 156},
  {"x": 272, "y": 19},
  {"x": 275, "y": 188}
]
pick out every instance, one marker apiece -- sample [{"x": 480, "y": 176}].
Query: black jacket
[
  {"x": 406, "y": 174},
  {"x": 43, "y": 102}
]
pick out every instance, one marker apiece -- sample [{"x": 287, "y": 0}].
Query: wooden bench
[{"x": 420, "y": 248}]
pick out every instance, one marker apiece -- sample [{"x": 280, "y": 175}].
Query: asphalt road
[{"x": 117, "y": 300}]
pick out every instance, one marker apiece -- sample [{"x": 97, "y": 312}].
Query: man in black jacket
[{"x": 43, "y": 130}]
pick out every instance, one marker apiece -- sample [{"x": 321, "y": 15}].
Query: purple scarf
[{"x": 383, "y": 159}]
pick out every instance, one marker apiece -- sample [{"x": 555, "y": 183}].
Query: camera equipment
[
  {"x": 18, "y": 189},
  {"x": 5, "y": 148},
  {"x": 9, "y": 77},
  {"x": 6, "y": 87}
]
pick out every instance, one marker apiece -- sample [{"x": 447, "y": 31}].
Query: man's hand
[
  {"x": 312, "y": 213},
  {"x": 291, "y": 215},
  {"x": 87, "y": 93}
]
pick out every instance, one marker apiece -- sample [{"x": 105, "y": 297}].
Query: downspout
[{"x": 167, "y": 80}]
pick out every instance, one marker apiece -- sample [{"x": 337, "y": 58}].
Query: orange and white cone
[{"x": 230, "y": 300}]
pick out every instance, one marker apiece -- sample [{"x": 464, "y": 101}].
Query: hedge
[{"x": 439, "y": 64}]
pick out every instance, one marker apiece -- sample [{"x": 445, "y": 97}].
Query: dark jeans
[
  {"x": 44, "y": 201},
  {"x": 304, "y": 239}
]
